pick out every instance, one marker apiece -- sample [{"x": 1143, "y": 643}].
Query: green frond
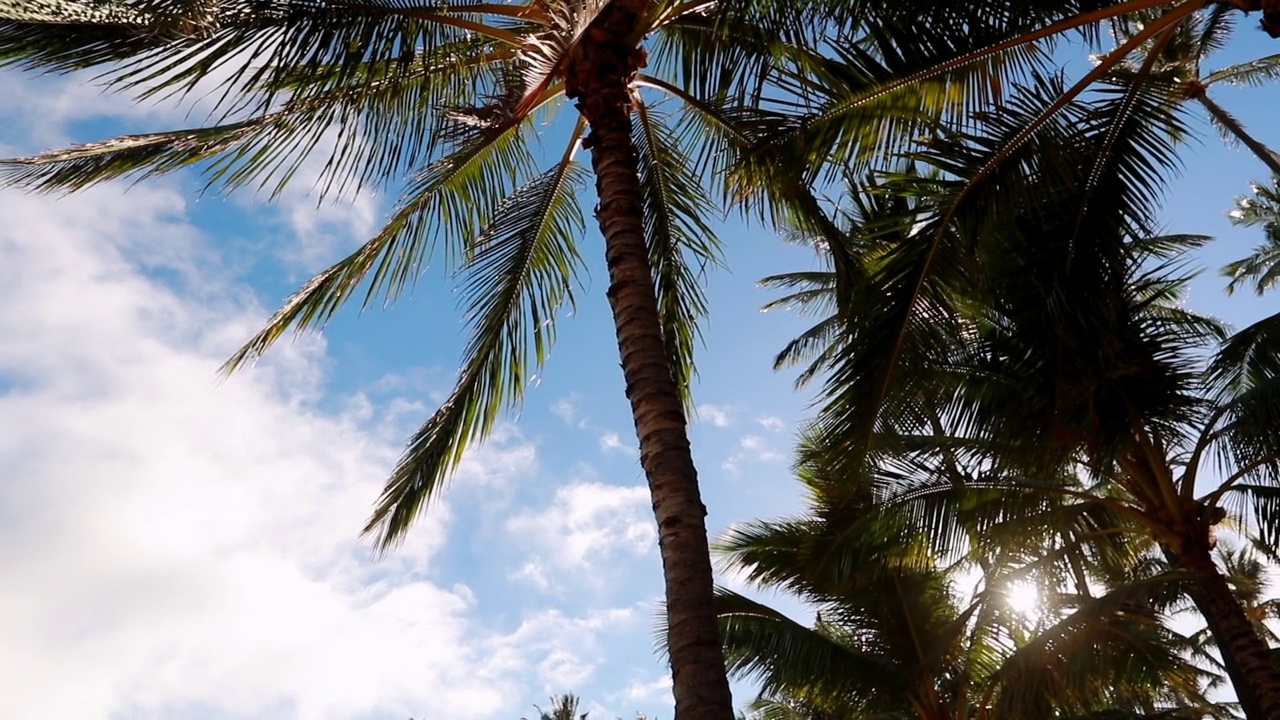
[
  {"x": 368, "y": 132},
  {"x": 1253, "y": 73},
  {"x": 682, "y": 245},
  {"x": 1248, "y": 358},
  {"x": 1262, "y": 268},
  {"x": 140, "y": 156},
  {"x": 787, "y": 658},
  {"x": 893, "y": 91},
  {"x": 165, "y": 47},
  {"x": 517, "y": 275},
  {"x": 452, "y": 199}
]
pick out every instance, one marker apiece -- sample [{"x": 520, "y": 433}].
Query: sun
[{"x": 1023, "y": 598}]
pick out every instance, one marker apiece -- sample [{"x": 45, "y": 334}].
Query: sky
[{"x": 178, "y": 546}]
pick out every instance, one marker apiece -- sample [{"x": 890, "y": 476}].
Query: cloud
[
  {"x": 588, "y": 523},
  {"x": 717, "y": 415},
  {"x": 568, "y": 648},
  {"x": 658, "y": 688},
  {"x": 771, "y": 423},
  {"x": 532, "y": 572},
  {"x": 612, "y": 442},
  {"x": 188, "y": 547},
  {"x": 751, "y": 449},
  {"x": 569, "y": 409}
]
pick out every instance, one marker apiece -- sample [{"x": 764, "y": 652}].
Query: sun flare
[{"x": 1023, "y": 598}]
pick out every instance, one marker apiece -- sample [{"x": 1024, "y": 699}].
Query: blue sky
[{"x": 185, "y": 548}]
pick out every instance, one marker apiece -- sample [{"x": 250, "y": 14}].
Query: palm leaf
[
  {"x": 376, "y": 125},
  {"x": 1262, "y": 268},
  {"x": 452, "y": 199},
  {"x": 681, "y": 243},
  {"x": 517, "y": 275},
  {"x": 166, "y": 46},
  {"x": 1253, "y": 73},
  {"x": 789, "y": 658}
]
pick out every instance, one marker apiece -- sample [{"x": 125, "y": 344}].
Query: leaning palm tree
[
  {"x": 446, "y": 99},
  {"x": 1044, "y": 336}
]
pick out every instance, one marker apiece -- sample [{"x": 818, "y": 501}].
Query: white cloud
[
  {"x": 612, "y": 442},
  {"x": 179, "y": 543},
  {"x": 569, "y": 409},
  {"x": 656, "y": 689},
  {"x": 717, "y": 415},
  {"x": 588, "y": 523},
  {"x": 567, "y": 649},
  {"x": 532, "y": 572},
  {"x": 771, "y": 423},
  {"x": 751, "y": 449}
]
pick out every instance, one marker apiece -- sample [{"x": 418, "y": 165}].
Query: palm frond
[
  {"x": 1262, "y": 268},
  {"x": 452, "y": 199},
  {"x": 1248, "y": 358},
  {"x": 682, "y": 245},
  {"x": 374, "y": 126},
  {"x": 788, "y": 658},
  {"x": 1253, "y": 73},
  {"x": 517, "y": 275}
]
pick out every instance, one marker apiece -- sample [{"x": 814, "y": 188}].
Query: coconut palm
[
  {"x": 1179, "y": 60},
  {"x": 898, "y": 635},
  {"x": 1046, "y": 339},
  {"x": 861, "y": 110},
  {"x": 1262, "y": 268},
  {"x": 445, "y": 100},
  {"x": 563, "y": 707}
]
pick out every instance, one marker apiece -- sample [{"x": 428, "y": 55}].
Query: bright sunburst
[{"x": 1023, "y": 598}]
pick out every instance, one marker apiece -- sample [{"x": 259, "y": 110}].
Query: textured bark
[
  {"x": 1245, "y": 655},
  {"x": 599, "y": 74}
]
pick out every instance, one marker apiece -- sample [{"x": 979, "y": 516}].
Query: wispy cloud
[
  {"x": 613, "y": 442},
  {"x": 588, "y": 523},
  {"x": 751, "y": 449},
  {"x": 717, "y": 415},
  {"x": 771, "y": 423}
]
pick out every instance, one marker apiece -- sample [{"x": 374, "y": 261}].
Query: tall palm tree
[
  {"x": 1042, "y": 334},
  {"x": 447, "y": 98}
]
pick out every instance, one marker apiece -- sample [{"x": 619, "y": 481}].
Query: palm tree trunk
[
  {"x": 599, "y": 74},
  {"x": 1245, "y": 655},
  {"x": 1263, "y": 153}
]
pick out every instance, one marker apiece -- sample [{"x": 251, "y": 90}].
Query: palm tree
[
  {"x": 451, "y": 95},
  {"x": 1178, "y": 60},
  {"x": 898, "y": 634},
  {"x": 563, "y": 707},
  {"x": 1039, "y": 333},
  {"x": 1262, "y": 268},
  {"x": 1246, "y": 570},
  {"x": 909, "y": 78}
]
